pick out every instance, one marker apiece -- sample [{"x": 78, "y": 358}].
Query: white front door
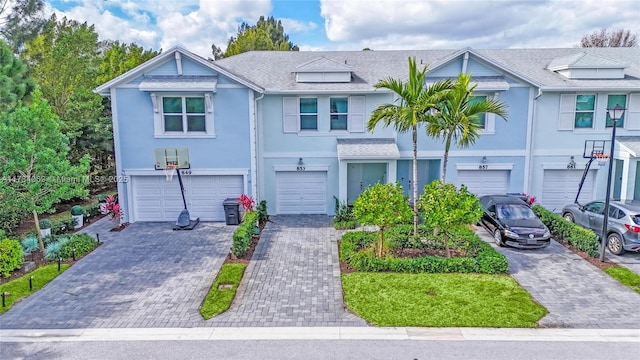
[
  {"x": 155, "y": 199},
  {"x": 301, "y": 192},
  {"x": 560, "y": 187},
  {"x": 485, "y": 182}
]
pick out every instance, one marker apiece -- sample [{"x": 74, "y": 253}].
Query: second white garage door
[
  {"x": 301, "y": 192},
  {"x": 155, "y": 199},
  {"x": 560, "y": 187},
  {"x": 485, "y": 182}
]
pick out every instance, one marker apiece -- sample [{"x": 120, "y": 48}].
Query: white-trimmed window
[
  {"x": 612, "y": 101},
  {"x": 577, "y": 111},
  {"x": 183, "y": 115},
  {"x": 486, "y": 121},
  {"x": 323, "y": 114},
  {"x": 339, "y": 113}
]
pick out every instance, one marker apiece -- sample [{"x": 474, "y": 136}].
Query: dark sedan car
[{"x": 512, "y": 222}]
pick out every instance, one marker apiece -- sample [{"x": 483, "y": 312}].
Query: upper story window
[
  {"x": 308, "y": 114},
  {"x": 183, "y": 114},
  {"x": 177, "y": 115},
  {"x": 323, "y": 114},
  {"x": 339, "y": 111},
  {"x": 482, "y": 118},
  {"x": 612, "y": 100},
  {"x": 584, "y": 110}
]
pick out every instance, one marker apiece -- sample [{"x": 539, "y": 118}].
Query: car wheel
[
  {"x": 614, "y": 244},
  {"x": 569, "y": 217},
  {"x": 497, "y": 237}
]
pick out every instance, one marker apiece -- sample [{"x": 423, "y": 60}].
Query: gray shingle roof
[
  {"x": 367, "y": 149},
  {"x": 323, "y": 64},
  {"x": 630, "y": 142},
  {"x": 275, "y": 70}
]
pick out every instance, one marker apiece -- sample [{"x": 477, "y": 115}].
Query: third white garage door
[
  {"x": 155, "y": 199},
  {"x": 560, "y": 187},
  {"x": 485, "y": 182},
  {"x": 301, "y": 192}
]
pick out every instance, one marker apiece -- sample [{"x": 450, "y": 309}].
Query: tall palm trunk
[
  {"x": 445, "y": 159},
  {"x": 415, "y": 181}
]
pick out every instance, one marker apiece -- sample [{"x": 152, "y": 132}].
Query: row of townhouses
[{"x": 290, "y": 127}]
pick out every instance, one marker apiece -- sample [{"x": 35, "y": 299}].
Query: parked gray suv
[{"x": 623, "y": 232}]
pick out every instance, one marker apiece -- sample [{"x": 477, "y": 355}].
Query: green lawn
[
  {"x": 219, "y": 300},
  {"x": 625, "y": 276},
  {"x": 440, "y": 300},
  {"x": 19, "y": 287}
]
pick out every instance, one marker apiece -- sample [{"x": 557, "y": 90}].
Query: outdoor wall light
[
  {"x": 484, "y": 159},
  {"x": 572, "y": 163},
  {"x": 300, "y": 162}
]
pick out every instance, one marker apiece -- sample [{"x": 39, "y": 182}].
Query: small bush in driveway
[
  {"x": 576, "y": 236},
  {"x": 244, "y": 232}
]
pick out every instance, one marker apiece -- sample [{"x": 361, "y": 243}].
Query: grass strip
[
  {"x": 625, "y": 276},
  {"x": 440, "y": 300},
  {"x": 218, "y": 300},
  {"x": 19, "y": 288}
]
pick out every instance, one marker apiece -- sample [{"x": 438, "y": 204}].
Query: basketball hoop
[
  {"x": 601, "y": 158},
  {"x": 169, "y": 170}
]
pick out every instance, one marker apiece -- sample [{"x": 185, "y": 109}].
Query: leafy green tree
[
  {"x": 445, "y": 208},
  {"x": 267, "y": 34},
  {"x": 64, "y": 60},
  {"x": 417, "y": 101},
  {"x": 33, "y": 160},
  {"x": 613, "y": 38},
  {"x": 15, "y": 84},
  {"x": 382, "y": 205},
  {"x": 117, "y": 58},
  {"x": 457, "y": 120},
  {"x": 20, "y": 21}
]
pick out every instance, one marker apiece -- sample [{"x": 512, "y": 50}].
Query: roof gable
[{"x": 322, "y": 64}]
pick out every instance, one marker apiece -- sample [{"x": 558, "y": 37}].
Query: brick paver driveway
[
  {"x": 576, "y": 293},
  {"x": 144, "y": 276}
]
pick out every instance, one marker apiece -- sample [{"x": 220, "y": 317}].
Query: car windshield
[{"x": 515, "y": 212}]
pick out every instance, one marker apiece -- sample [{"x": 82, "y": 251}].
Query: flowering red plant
[
  {"x": 111, "y": 208},
  {"x": 530, "y": 199},
  {"x": 247, "y": 202}
]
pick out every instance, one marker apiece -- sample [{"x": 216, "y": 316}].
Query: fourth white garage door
[
  {"x": 560, "y": 187},
  {"x": 155, "y": 199},
  {"x": 485, "y": 182},
  {"x": 301, "y": 192}
]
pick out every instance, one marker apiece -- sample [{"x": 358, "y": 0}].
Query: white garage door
[
  {"x": 485, "y": 182},
  {"x": 155, "y": 199},
  {"x": 301, "y": 192},
  {"x": 560, "y": 187}
]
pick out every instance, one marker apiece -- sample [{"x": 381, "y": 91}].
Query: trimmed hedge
[
  {"x": 244, "y": 232},
  {"x": 83, "y": 243},
  {"x": 357, "y": 250},
  {"x": 10, "y": 256},
  {"x": 576, "y": 236}
]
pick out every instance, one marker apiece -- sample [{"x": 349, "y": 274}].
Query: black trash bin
[{"x": 231, "y": 211}]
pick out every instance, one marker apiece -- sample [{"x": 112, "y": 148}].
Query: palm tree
[
  {"x": 416, "y": 101},
  {"x": 457, "y": 118}
]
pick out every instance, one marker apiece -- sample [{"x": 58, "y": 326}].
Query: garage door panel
[
  {"x": 560, "y": 187},
  {"x": 156, "y": 199},
  {"x": 485, "y": 182},
  {"x": 301, "y": 192}
]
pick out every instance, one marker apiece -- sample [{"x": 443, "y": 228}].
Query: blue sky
[{"x": 355, "y": 24}]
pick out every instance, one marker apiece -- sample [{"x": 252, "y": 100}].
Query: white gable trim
[{"x": 170, "y": 54}]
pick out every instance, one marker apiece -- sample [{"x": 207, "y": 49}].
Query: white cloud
[
  {"x": 296, "y": 26},
  {"x": 395, "y": 24}
]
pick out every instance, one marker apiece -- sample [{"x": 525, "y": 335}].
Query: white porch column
[
  {"x": 392, "y": 171},
  {"x": 342, "y": 181},
  {"x": 627, "y": 188}
]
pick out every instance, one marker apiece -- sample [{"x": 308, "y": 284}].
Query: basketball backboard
[{"x": 178, "y": 157}]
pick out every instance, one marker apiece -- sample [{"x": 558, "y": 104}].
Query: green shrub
[
  {"x": 344, "y": 225},
  {"x": 44, "y": 224},
  {"x": 3, "y": 234},
  {"x": 576, "y": 236},
  {"x": 77, "y": 210},
  {"x": 243, "y": 234},
  {"x": 343, "y": 214},
  {"x": 102, "y": 198},
  {"x": 356, "y": 249},
  {"x": 82, "y": 243},
  {"x": 63, "y": 226},
  {"x": 92, "y": 211},
  {"x": 53, "y": 249},
  {"x": 10, "y": 218},
  {"x": 10, "y": 256},
  {"x": 263, "y": 216}
]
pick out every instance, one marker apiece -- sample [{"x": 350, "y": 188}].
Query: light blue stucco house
[{"x": 290, "y": 127}]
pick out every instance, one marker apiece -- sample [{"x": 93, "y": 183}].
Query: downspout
[
  {"x": 254, "y": 155},
  {"x": 529, "y": 143}
]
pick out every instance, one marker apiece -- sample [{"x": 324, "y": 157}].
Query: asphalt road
[{"x": 321, "y": 349}]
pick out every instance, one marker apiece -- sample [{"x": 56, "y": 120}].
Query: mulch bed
[{"x": 593, "y": 261}]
